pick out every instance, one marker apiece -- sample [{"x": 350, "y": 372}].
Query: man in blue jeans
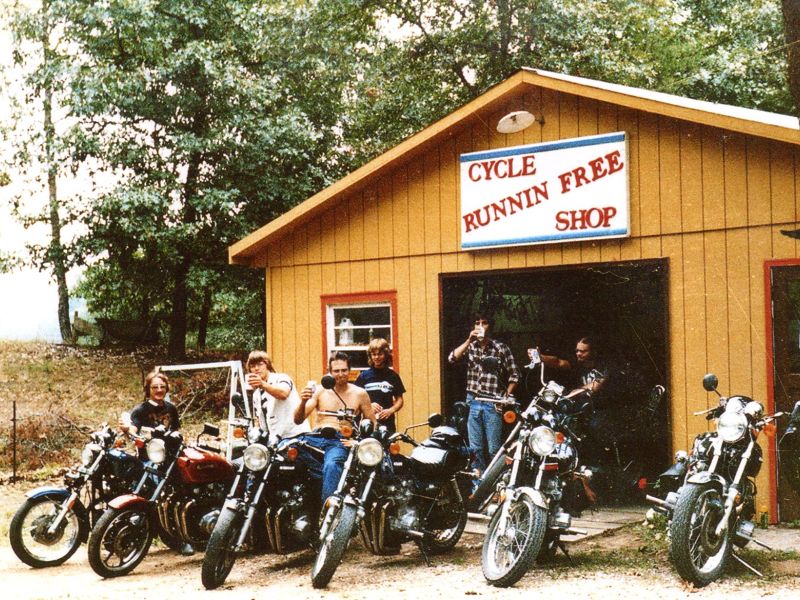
[
  {"x": 485, "y": 425},
  {"x": 336, "y": 447}
]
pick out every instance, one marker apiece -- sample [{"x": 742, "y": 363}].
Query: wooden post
[{"x": 13, "y": 441}]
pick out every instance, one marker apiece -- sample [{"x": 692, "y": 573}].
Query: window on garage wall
[{"x": 350, "y": 321}]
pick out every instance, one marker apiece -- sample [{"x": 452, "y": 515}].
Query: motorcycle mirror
[
  {"x": 796, "y": 412},
  {"x": 238, "y": 402},
  {"x": 210, "y": 429},
  {"x": 435, "y": 420},
  {"x": 460, "y": 409},
  {"x": 366, "y": 428},
  {"x": 490, "y": 364},
  {"x": 328, "y": 382},
  {"x": 710, "y": 382}
]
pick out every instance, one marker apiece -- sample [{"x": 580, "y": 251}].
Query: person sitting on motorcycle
[
  {"x": 154, "y": 411},
  {"x": 277, "y": 396},
  {"x": 590, "y": 372},
  {"x": 327, "y": 436}
]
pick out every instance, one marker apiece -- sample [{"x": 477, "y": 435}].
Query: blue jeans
[
  {"x": 330, "y": 470},
  {"x": 485, "y": 428}
]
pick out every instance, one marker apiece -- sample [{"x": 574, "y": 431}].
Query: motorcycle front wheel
[
  {"x": 699, "y": 555},
  {"x": 34, "y": 544},
  {"x": 509, "y": 549},
  {"x": 333, "y": 545},
  {"x": 487, "y": 484},
  {"x": 119, "y": 541},
  {"x": 220, "y": 557}
]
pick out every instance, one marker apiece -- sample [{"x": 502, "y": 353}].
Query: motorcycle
[
  {"x": 53, "y": 522},
  {"x": 713, "y": 510},
  {"x": 190, "y": 484},
  {"x": 419, "y": 498},
  {"x": 272, "y": 505},
  {"x": 534, "y": 500}
]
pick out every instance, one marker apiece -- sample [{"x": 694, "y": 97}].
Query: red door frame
[{"x": 772, "y": 449}]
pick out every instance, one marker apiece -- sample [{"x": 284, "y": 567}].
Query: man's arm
[
  {"x": 553, "y": 362},
  {"x": 279, "y": 390},
  {"x": 308, "y": 403},
  {"x": 365, "y": 406},
  {"x": 458, "y": 353}
]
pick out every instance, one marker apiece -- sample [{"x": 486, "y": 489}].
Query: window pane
[{"x": 361, "y": 315}]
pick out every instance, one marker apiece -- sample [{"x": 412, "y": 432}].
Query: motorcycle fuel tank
[{"x": 201, "y": 466}]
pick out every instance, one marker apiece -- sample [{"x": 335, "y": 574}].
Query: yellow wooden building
[{"x": 702, "y": 279}]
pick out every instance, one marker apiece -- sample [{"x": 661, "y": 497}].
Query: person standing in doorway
[{"x": 485, "y": 425}]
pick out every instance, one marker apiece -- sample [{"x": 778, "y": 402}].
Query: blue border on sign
[
  {"x": 547, "y": 147},
  {"x": 546, "y": 238}
]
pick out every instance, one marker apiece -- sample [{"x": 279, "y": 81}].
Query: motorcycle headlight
[
  {"x": 88, "y": 454},
  {"x": 542, "y": 440},
  {"x": 156, "y": 450},
  {"x": 256, "y": 457},
  {"x": 370, "y": 452},
  {"x": 731, "y": 426},
  {"x": 550, "y": 396}
]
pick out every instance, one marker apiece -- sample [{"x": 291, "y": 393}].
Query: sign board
[{"x": 568, "y": 190}]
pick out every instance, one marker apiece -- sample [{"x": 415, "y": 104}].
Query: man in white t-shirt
[{"x": 276, "y": 394}]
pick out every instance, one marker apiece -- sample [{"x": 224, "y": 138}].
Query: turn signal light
[
  {"x": 509, "y": 416},
  {"x": 238, "y": 432},
  {"x": 394, "y": 448},
  {"x": 509, "y": 460},
  {"x": 119, "y": 442},
  {"x": 559, "y": 437},
  {"x": 346, "y": 430},
  {"x": 643, "y": 483},
  {"x": 770, "y": 429},
  {"x": 292, "y": 453}
]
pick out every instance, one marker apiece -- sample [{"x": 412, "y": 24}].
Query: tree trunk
[
  {"x": 176, "y": 348},
  {"x": 56, "y": 253},
  {"x": 791, "y": 25},
  {"x": 205, "y": 312}
]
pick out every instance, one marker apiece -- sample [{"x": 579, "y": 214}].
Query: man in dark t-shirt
[
  {"x": 154, "y": 411},
  {"x": 384, "y": 386}
]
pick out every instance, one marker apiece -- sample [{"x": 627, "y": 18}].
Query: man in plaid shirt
[{"x": 485, "y": 425}]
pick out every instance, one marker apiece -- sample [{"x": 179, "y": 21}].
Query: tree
[
  {"x": 791, "y": 23},
  {"x": 37, "y": 50},
  {"x": 218, "y": 116}
]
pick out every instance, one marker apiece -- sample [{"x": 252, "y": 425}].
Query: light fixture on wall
[{"x": 517, "y": 121}]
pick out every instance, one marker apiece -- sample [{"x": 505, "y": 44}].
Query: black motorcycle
[
  {"x": 272, "y": 505},
  {"x": 53, "y": 522},
  {"x": 420, "y": 498},
  {"x": 714, "y": 509},
  {"x": 533, "y": 486}
]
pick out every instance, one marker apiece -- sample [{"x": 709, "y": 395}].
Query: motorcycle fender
[
  {"x": 128, "y": 501},
  {"x": 706, "y": 477},
  {"x": 61, "y": 494},
  {"x": 537, "y": 497}
]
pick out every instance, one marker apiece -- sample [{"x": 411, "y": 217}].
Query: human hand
[
  {"x": 382, "y": 414},
  {"x": 254, "y": 380},
  {"x": 347, "y": 442},
  {"x": 306, "y": 393}
]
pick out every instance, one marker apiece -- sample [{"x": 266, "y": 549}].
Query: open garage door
[{"x": 621, "y": 305}]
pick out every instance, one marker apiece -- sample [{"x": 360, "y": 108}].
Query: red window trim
[{"x": 389, "y": 296}]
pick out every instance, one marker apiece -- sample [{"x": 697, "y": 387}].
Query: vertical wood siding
[{"x": 711, "y": 202}]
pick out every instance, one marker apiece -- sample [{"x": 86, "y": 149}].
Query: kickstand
[
  {"x": 563, "y": 547},
  {"x": 746, "y": 564},
  {"x": 421, "y": 547}
]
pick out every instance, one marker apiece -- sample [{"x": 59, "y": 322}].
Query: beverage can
[
  {"x": 481, "y": 332},
  {"x": 312, "y": 384}
]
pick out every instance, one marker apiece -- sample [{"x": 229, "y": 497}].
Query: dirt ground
[{"x": 613, "y": 566}]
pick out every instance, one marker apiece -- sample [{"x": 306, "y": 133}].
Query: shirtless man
[{"x": 335, "y": 447}]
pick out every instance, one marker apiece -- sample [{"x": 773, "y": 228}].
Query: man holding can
[{"x": 485, "y": 425}]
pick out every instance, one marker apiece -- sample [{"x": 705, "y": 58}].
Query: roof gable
[{"x": 741, "y": 120}]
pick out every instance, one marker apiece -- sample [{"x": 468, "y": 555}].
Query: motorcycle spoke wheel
[
  {"x": 443, "y": 540},
  {"x": 31, "y": 539},
  {"x": 510, "y": 548},
  {"x": 119, "y": 542},
  {"x": 220, "y": 556},
  {"x": 333, "y": 544},
  {"x": 699, "y": 554}
]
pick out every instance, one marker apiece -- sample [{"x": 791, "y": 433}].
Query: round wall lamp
[{"x": 517, "y": 121}]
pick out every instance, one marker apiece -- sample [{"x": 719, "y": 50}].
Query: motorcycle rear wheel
[
  {"x": 30, "y": 540},
  {"x": 698, "y": 554},
  {"x": 119, "y": 541},
  {"x": 508, "y": 554},
  {"x": 220, "y": 557},
  {"x": 332, "y": 547},
  {"x": 444, "y": 540}
]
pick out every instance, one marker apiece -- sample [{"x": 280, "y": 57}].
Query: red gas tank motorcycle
[{"x": 178, "y": 498}]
